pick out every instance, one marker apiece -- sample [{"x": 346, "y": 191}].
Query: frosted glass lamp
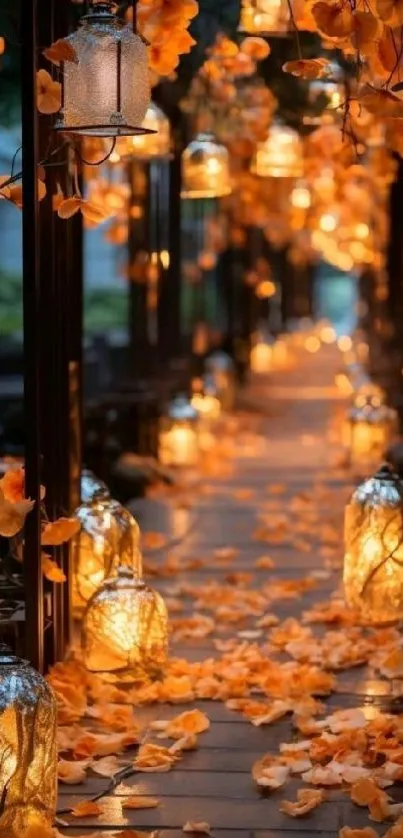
[
  {"x": 28, "y": 750},
  {"x": 373, "y": 561},
  {"x": 205, "y": 169},
  {"x": 106, "y": 92},
  {"x": 179, "y": 435},
  {"x": 280, "y": 155},
  {"x": 154, "y": 145}
]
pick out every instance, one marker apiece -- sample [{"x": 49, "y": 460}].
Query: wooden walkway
[{"x": 284, "y": 488}]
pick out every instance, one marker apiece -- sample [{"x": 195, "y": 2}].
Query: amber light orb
[
  {"x": 205, "y": 169},
  {"x": 179, "y": 435},
  {"x": 280, "y": 155},
  {"x": 28, "y": 750},
  {"x": 106, "y": 92},
  {"x": 261, "y": 355},
  {"x": 154, "y": 145},
  {"x": 125, "y": 628},
  {"x": 368, "y": 433},
  {"x": 264, "y": 17},
  {"x": 109, "y": 534},
  {"x": 301, "y": 196},
  {"x": 373, "y": 561}
]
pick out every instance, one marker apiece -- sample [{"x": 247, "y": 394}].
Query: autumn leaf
[
  {"x": 381, "y": 102},
  {"x": 72, "y": 773},
  {"x": 256, "y": 48},
  {"x": 48, "y": 93},
  {"x": 366, "y": 33},
  {"x": 60, "y": 50},
  {"x": 334, "y": 19},
  {"x": 106, "y": 766},
  {"x": 86, "y": 809},
  {"x": 2, "y": 46},
  {"x": 307, "y": 799},
  {"x": 140, "y": 803},
  {"x": 58, "y": 532},
  {"x": 13, "y": 484},
  {"x": 390, "y": 11},
  {"x": 349, "y": 832},
  {"x": 93, "y": 213},
  {"x": 12, "y": 515},
  {"x": 4, "y": 190},
  {"x": 69, "y": 206},
  {"x": 308, "y": 68},
  {"x": 51, "y": 570},
  {"x": 202, "y": 827}
]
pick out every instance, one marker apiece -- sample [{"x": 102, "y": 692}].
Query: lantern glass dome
[
  {"x": 106, "y": 90},
  {"x": 205, "y": 169},
  {"x": 280, "y": 155},
  {"x": 264, "y": 17},
  {"x": 368, "y": 432},
  {"x": 155, "y": 144},
  {"x": 28, "y": 749},
  {"x": 373, "y": 562},
  {"x": 179, "y": 442}
]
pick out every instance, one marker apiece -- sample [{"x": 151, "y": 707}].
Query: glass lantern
[
  {"x": 373, "y": 562},
  {"x": 91, "y": 487},
  {"x": 28, "y": 750},
  {"x": 369, "y": 430},
  {"x": 331, "y": 91},
  {"x": 205, "y": 169},
  {"x": 109, "y": 535},
  {"x": 280, "y": 155},
  {"x": 179, "y": 435},
  {"x": 125, "y": 627},
  {"x": 261, "y": 354},
  {"x": 148, "y": 146},
  {"x": 106, "y": 92},
  {"x": 221, "y": 368},
  {"x": 264, "y": 17}
]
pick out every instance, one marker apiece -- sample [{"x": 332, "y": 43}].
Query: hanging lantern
[
  {"x": 205, "y": 169},
  {"x": 280, "y": 155},
  {"x": 179, "y": 435},
  {"x": 28, "y": 751},
  {"x": 125, "y": 626},
  {"x": 261, "y": 355},
  {"x": 373, "y": 562},
  {"x": 222, "y": 370},
  {"x": 108, "y": 534},
  {"x": 153, "y": 145},
  {"x": 264, "y": 17},
  {"x": 92, "y": 487},
  {"x": 368, "y": 432},
  {"x": 106, "y": 91}
]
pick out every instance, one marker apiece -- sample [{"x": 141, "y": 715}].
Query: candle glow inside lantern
[
  {"x": 106, "y": 91},
  {"x": 261, "y": 355},
  {"x": 280, "y": 155},
  {"x": 368, "y": 432},
  {"x": 156, "y": 144},
  {"x": 264, "y": 17},
  {"x": 179, "y": 435},
  {"x": 205, "y": 169},
  {"x": 373, "y": 562},
  {"x": 125, "y": 627},
  {"x": 28, "y": 750},
  {"x": 108, "y": 534}
]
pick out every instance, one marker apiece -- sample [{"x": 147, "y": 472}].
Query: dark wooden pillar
[{"x": 169, "y": 303}]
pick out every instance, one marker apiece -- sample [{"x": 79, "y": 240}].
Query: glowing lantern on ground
[
  {"x": 222, "y": 370},
  {"x": 373, "y": 563},
  {"x": 281, "y": 356},
  {"x": 264, "y": 17},
  {"x": 179, "y": 435},
  {"x": 205, "y": 399},
  {"x": 280, "y": 155},
  {"x": 109, "y": 534},
  {"x": 148, "y": 146},
  {"x": 28, "y": 750},
  {"x": 261, "y": 355},
  {"x": 205, "y": 169},
  {"x": 369, "y": 431},
  {"x": 106, "y": 92},
  {"x": 126, "y": 627}
]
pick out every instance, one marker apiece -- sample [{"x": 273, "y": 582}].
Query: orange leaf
[
  {"x": 308, "y": 68},
  {"x": 390, "y": 11},
  {"x": 12, "y": 515},
  {"x": 366, "y": 832},
  {"x": 307, "y": 799},
  {"x": 381, "y": 102},
  {"x": 4, "y": 190},
  {"x": 334, "y": 19},
  {"x": 2, "y": 46},
  {"x": 140, "y": 803},
  {"x": 51, "y": 570},
  {"x": 72, "y": 772},
  {"x": 202, "y": 827},
  {"x": 86, "y": 809},
  {"x": 256, "y": 48},
  {"x": 12, "y": 484},
  {"x": 59, "y": 51},
  {"x": 48, "y": 93},
  {"x": 366, "y": 32},
  {"x": 93, "y": 212},
  {"x": 69, "y": 206},
  {"x": 58, "y": 532}
]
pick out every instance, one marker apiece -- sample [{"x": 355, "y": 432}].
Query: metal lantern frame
[{"x": 102, "y": 13}]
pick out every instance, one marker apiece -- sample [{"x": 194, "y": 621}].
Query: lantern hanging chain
[{"x": 97, "y": 162}]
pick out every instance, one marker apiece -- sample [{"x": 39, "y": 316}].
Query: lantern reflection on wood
[
  {"x": 205, "y": 169},
  {"x": 126, "y": 627},
  {"x": 373, "y": 562},
  {"x": 106, "y": 91},
  {"x": 264, "y": 17},
  {"x": 109, "y": 535},
  {"x": 179, "y": 435},
  {"x": 368, "y": 432},
  {"x": 28, "y": 751},
  {"x": 280, "y": 155}
]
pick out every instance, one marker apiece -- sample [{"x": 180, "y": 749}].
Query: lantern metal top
[
  {"x": 384, "y": 488},
  {"x": 92, "y": 488}
]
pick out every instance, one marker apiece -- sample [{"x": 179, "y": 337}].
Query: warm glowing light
[
  {"x": 265, "y": 289},
  {"x": 368, "y": 433},
  {"x": 312, "y": 344},
  {"x": 328, "y": 334},
  {"x": 281, "y": 155},
  {"x": 259, "y": 17},
  {"x": 261, "y": 357},
  {"x": 373, "y": 562},
  {"x": 343, "y": 384},
  {"x": 207, "y": 406},
  {"x": 344, "y": 343},
  {"x": 301, "y": 197},
  {"x": 361, "y": 231},
  {"x": 28, "y": 749},
  {"x": 205, "y": 169},
  {"x": 179, "y": 435},
  {"x": 328, "y": 222}
]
